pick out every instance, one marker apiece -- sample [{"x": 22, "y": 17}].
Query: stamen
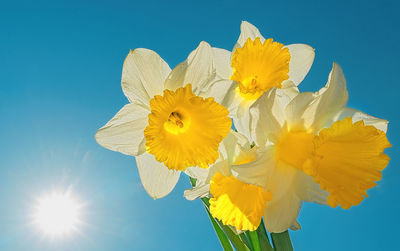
[{"x": 176, "y": 118}]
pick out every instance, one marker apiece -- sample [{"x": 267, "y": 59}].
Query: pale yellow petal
[
  {"x": 315, "y": 110},
  {"x": 301, "y": 60},
  {"x": 143, "y": 75},
  {"x": 198, "y": 70},
  {"x": 157, "y": 179},
  {"x": 247, "y": 30},
  {"x": 125, "y": 131}
]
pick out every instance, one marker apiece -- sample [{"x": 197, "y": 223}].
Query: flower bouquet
[{"x": 252, "y": 145}]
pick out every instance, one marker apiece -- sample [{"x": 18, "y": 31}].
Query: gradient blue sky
[{"x": 60, "y": 69}]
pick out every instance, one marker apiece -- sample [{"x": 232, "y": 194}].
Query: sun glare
[{"x": 57, "y": 214}]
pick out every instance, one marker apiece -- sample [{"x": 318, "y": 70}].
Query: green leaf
[
  {"x": 220, "y": 233},
  {"x": 192, "y": 181},
  {"x": 227, "y": 232},
  {"x": 254, "y": 240},
  {"x": 245, "y": 239},
  {"x": 263, "y": 238},
  {"x": 282, "y": 241},
  {"x": 233, "y": 237}
]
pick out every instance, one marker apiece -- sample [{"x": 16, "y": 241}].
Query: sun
[{"x": 57, "y": 214}]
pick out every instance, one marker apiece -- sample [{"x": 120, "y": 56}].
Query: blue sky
[{"x": 60, "y": 69}]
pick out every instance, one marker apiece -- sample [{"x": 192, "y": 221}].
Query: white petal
[
  {"x": 315, "y": 110},
  {"x": 125, "y": 131},
  {"x": 242, "y": 120},
  {"x": 143, "y": 75},
  {"x": 222, "y": 62},
  {"x": 301, "y": 59},
  {"x": 221, "y": 166},
  {"x": 357, "y": 115},
  {"x": 219, "y": 90},
  {"x": 289, "y": 188},
  {"x": 267, "y": 116},
  {"x": 234, "y": 145},
  {"x": 198, "y": 70},
  {"x": 197, "y": 192},
  {"x": 310, "y": 191},
  {"x": 247, "y": 30},
  {"x": 259, "y": 171},
  {"x": 296, "y": 108},
  {"x": 281, "y": 215},
  {"x": 157, "y": 179},
  {"x": 290, "y": 90},
  {"x": 232, "y": 99},
  {"x": 200, "y": 174}
]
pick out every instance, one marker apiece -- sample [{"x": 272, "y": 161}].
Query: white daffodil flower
[
  {"x": 317, "y": 150},
  {"x": 171, "y": 123},
  {"x": 256, "y": 65},
  {"x": 233, "y": 149}
]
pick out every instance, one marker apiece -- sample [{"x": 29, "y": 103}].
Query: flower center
[
  {"x": 185, "y": 130},
  {"x": 177, "y": 123},
  {"x": 259, "y": 67}
]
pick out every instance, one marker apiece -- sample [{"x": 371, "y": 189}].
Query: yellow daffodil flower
[
  {"x": 171, "y": 123},
  {"x": 255, "y": 66},
  {"x": 235, "y": 150},
  {"x": 318, "y": 151}
]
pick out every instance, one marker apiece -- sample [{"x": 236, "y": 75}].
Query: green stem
[
  {"x": 254, "y": 240},
  {"x": 234, "y": 238},
  {"x": 245, "y": 239},
  {"x": 263, "y": 237},
  {"x": 228, "y": 233},
  {"x": 220, "y": 233},
  {"x": 282, "y": 241}
]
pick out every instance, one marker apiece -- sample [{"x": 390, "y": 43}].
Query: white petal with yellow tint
[
  {"x": 143, "y": 75},
  {"x": 247, "y": 30},
  {"x": 281, "y": 214},
  {"x": 233, "y": 146},
  {"x": 197, "y": 192},
  {"x": 200, "y": 174},
  {"x": 290, "y": 90},
  {"x": 310, "y": 191},
  {"x": 125, "y": 131},
  {"x": 267, "y": 116},
  {"x": 296, "y": 108},
  {"x": 242, "y": 119},
  {"x": 157, "y": 179},
  {"x": 219, "y": 91},
  {"x": 315, "y": 110},
  {"x": 282, "y": 211},
  {"x": 222, "y": 62},
  {"x": 198, "y": 70},
  {"x": 202, "y": 188},
  {"x": 357, "y": 115},
  {"x": 256, "y": 171},
  {"x": 301, "y": 60}
]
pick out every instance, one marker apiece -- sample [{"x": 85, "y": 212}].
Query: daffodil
[
  {"x": 317, "y": 150},
  {"x": 235, "y": 150},
  {"x": 257, "y": 65},
  {"x": 170, "y": 123}
]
